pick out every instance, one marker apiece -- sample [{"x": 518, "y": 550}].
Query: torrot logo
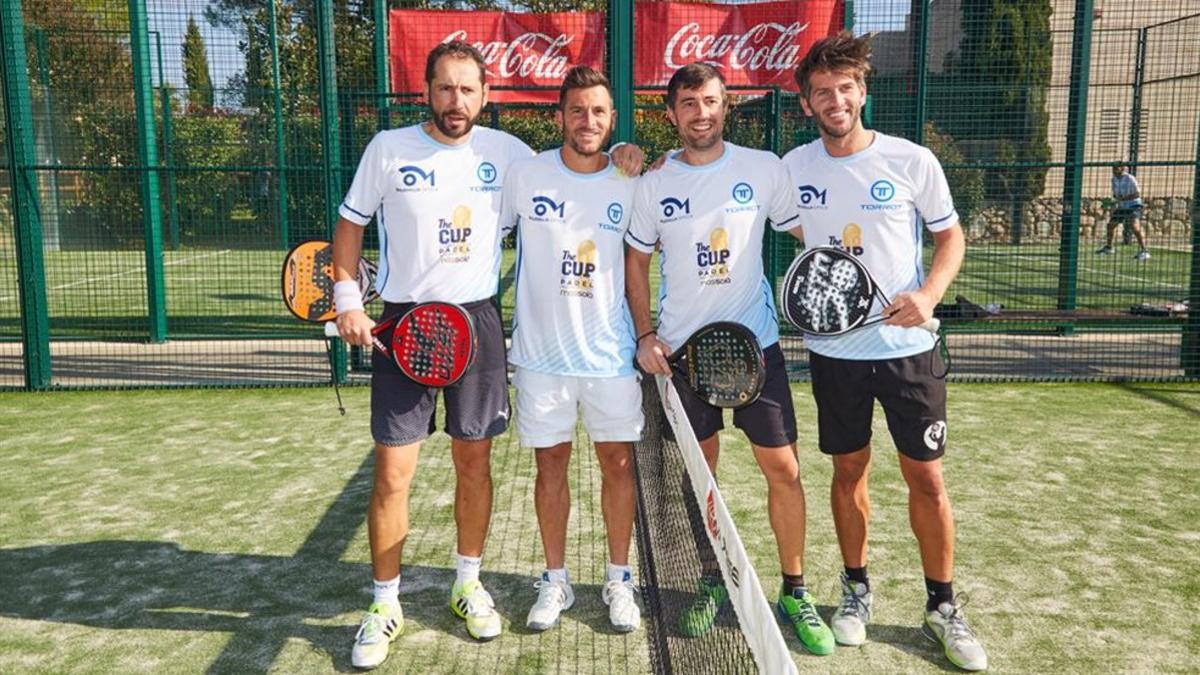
[
  {"x": 412, "y": 176},
  {"x": 742, "y": 193},
  {"x": 811, "y": 197},
  {"x": 615, "y": 212},
  {"x": 671, "y": 206},
  {"x": 544, "y": 207},
  {"x": 454, "y": 236},
  {"x": 486, "y": 173},
  {"x": 883, "y": 191}
]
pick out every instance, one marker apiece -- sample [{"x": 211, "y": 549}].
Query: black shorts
[
  {"x": 769, "y": 422},
  {"x": 913, "y": 400},
  {"x": 402, "y": 411},
  {"x": 1126, "y": 213}
]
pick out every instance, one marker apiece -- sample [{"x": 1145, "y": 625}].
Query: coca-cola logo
[
  {"x": 529, "y": 55},
  {"x": 765, "y": 46}
]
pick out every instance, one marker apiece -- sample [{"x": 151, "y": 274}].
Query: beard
[
  {"x": 570, "y": 142},
  {"x": 439, "y": 121},
  {"x": 703, "y": 142},
  {"x": 838, "y": 133}
]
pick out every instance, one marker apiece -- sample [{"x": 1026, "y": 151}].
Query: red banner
[{"x": 755, "y": 44}]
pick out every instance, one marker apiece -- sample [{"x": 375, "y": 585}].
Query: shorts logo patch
[{"x": 935, "y": 435}]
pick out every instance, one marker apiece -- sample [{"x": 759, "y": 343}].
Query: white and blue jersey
[
  {"x": 710, "y": 221},
  {"x": 1124, "y": 185},
  {"x": 437, "y": 208},
  {"x": 571, "y": 316},
  {"x": 873, "y": 204}
]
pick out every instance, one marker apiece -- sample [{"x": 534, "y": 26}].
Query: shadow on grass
[
  {"x": 910, "y": 640},
  {"x": 1166, "y": 395}
]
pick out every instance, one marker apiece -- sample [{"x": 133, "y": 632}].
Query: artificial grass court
[{"x": 223, "y": 531}]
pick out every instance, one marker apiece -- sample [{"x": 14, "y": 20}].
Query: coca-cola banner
[
  {"x": 752, "y": 44},
  {"x": 757, "y": 44},
  {"x": 521, "y": 50}
]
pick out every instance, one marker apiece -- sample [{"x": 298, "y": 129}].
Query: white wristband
[{"x": 347, "y": 296}]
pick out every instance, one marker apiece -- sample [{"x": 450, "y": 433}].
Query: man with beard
[
  {"x": 706, "y": 209},
  {"x": 572, "y": 338},
  {"x": 434, "y": 189},
  {"x": 867, "y": 193}
]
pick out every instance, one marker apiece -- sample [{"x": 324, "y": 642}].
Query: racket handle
[
  {"x": 331, "y": 329},
  {"x": 931, "y": 325}
]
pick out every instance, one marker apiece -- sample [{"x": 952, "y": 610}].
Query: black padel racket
[
  {"x": 723, "y": 364},
  {"x": 827, "y": 291},
  {"x": 307, "y": 281},
  {"x": 433, "y": 343}
]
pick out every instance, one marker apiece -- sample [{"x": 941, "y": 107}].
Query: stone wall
[{"x": 1168, "y": 220}]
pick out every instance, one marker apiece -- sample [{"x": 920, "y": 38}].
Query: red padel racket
[{"x": 433, "y": 343}]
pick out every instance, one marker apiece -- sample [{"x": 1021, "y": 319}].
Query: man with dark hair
[
  {"x": 864, "y": 191},
  {"x": 572, "y": 343},
  {"x": 707, "y": 208},
  {"x": 1128, "y": 211},
  {"x": 434, "y": 190}
]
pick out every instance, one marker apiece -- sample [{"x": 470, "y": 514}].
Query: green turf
[{"x": 222, "y": 531}]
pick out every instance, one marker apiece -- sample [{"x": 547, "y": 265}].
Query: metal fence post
[
  {"x": 143, "y": 95},
  {"x": 166, "y": 93},
  {"x": 277, "y": 115},
  {"x": 330, "y": 141},
  {"x": 620, "y": 54},
  {"x": 1081, "y": 53},
  {"x": 1190, "y": 344},
  {"x": 22, "y": 154},
  {"x": 383, "y": 83},
  {"x": 920, "y": 12}
]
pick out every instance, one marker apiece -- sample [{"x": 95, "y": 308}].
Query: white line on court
[
  {"x": 1101, "y": 272},
  {"x": 89, "y": 280}
]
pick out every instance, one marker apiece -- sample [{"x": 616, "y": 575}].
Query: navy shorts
[
  {"x": 769, "y": 422},
  {"x": 403, "y": 411}
]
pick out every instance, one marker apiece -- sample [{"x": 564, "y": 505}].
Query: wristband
[
  {"x": 347, "y": 296},
  {"x": 644, "y": 335}
]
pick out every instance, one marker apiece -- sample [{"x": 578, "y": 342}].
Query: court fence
[{"x": 160, "y": 157}]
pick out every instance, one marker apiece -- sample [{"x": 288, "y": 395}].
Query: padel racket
[
  {"x": 722, "y": 364},
  {"x": 307, "y": 281},
  {"x": 827, "y": 291},
  {"x": 433, "y": 343}
]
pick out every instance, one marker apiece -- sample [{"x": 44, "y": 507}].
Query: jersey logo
[
  {"x": 712, "y": 258},
  {"x": 545, "y": 208},
  {"x": 412, "y": 177},
  {"x": 811, "y": 197},
  {"x": 615, "y": 212},
  {"x": 486, "y": 173},
  {"x": 671, "y": 206},
  {"x": 454, "y": 236},
  {"x": 742, "y": 193},
  {"x": 883, "y": 191},
  {"x": 577, "y": 269}
]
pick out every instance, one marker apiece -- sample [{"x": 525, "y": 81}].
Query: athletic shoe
[
  {"x": 947, "y": 625},
  {"x": 380, "y": 625},
  {"x": 698, "y": 618},
  {"x": 471, "y": 602},
  {"x": 554, "y": 598},
  {"x": 849, "y": 622},
  {"x": 1104, "y": 250},
  {"x": 797, "y": 609},
  {"x": 1142, "y": 255},
  {"x": 623, "y": 612}
]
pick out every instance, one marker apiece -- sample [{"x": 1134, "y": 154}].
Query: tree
[
  {"x": 1002, "y": 66},
  {"x": 195, "y": 69}
]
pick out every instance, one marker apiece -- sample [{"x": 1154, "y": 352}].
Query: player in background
[
  {"x": 573, "y": 339},
  {"x": 1128, "y": 210},
  {"x": 870, "y": 194},
  {"x": 706, "y": 209}
]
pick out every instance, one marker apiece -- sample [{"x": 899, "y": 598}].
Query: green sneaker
[
  {"x": 698, "y": 618},
  {"x": 469, "y": 601},
  {"x": 797, "y": 608}
]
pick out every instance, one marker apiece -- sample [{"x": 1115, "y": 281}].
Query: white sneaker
[
  {"x": 554, "y": 598},
  {"x": 471, "y": 602},
  {"x": 849, "y": 622},
  {"x": 623, "y": 611},
  {"x": 380, "y": 625},
  {"x": 947, "y": 625},
  {"x": 1142, "y": 255}
]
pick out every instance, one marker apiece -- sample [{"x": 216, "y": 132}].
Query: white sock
[
  {"x": 559, "y": 574},
  {"x": 618, "y": 573},
  {"x": 466, "y": 568},
  {"x": 387, "y": 591}
]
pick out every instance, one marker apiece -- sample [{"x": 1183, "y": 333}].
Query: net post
[
  {"x": 620, "y": 55},
  {"x": 1081, "y": 51},
  {"x": 330, "y": 141},
  {"x": 156, "y": 290},
  {"x": 31, "y": 269}
]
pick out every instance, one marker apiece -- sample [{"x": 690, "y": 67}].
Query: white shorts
[{"x": 546, "y": 408}]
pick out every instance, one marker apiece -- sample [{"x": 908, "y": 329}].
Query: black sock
[
  {"x": 937, "y": 592},
  {"x": 858, "y": 574},
  {"x": 793, "y": 581}
]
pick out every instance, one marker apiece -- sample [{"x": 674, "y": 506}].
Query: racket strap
[
  {"x": 333, "y": 375},
  {"x": 943, "y": 351}
]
